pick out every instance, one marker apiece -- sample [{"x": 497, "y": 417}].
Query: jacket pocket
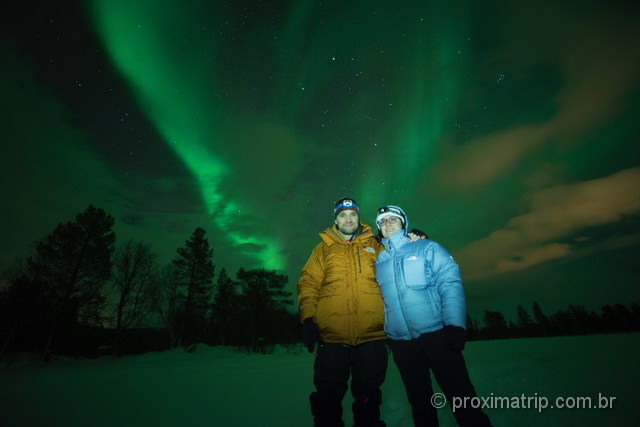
[
  {"x": 415, "y": 272},
  {"x": 327, "y": 312}
]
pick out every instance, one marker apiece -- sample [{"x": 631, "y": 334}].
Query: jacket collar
[
  {"x": 332, "y": 236},
  {"x": 398, "y": 240}
]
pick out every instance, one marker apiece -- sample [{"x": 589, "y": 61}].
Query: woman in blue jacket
[{"x": 425, "y": 319}]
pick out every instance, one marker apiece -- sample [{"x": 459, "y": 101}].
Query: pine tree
[
  {"x": 584, "y": 321},
  {"x": 563, "y": 323},
  {"x": 496, "y": 325},
  {"x": 473, "y": 330},
  {"x": 542, "y": 321},
  {"x": 195, "y": 271},
  {"x": 263, "y": 298},
  {"x": 625, "y": 318},
  {"x": 524, "y": 324},
  {"x": 225, "y": 306}
]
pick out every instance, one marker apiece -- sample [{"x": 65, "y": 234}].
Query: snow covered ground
[{"x": 224, "y": 387}]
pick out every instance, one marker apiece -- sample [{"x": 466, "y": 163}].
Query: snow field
[{"x": 220, "y": 386}]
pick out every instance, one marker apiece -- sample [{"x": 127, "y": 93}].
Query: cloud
[
  {"x": 533, "y": 256},
  {"x": 486, "y": 158},
  {"x": 556, "y": 213},
  {"x": 600, "y": 67}
]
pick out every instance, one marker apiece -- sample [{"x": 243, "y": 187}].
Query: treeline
[
  {"x": 575, "y": 320},
  {"x": 79, "y": 294}
]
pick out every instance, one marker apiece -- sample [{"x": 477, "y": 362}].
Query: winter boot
[
  {"x": 326, "y": 409},
  {"x": 366, "y": 410}
]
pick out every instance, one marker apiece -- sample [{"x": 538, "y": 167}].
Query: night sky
[{"x": 507, "y": 130}]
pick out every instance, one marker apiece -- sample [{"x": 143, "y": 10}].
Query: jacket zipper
[
  {"x": 359, "y": 263},
  {"x": 400, "y": 300}
]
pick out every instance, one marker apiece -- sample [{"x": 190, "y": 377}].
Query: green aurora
[
  {"x": 169, "y": 65},
  {"x": 506, "y": 130},
  {"x": 169, "y": 81}
]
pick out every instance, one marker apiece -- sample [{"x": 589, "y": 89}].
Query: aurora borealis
[{"x": 507, "y": 130}]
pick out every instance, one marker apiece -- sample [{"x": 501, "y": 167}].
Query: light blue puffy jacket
[{"x": 421, "y": 287}]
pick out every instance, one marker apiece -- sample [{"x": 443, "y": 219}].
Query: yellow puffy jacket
[{"x": 338, "y": 288}]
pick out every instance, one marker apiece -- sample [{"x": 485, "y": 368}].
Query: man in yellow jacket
[{"x": 342, "y": 311}]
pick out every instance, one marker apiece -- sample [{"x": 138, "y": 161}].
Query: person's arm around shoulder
[{"x": 415, "y": 235}]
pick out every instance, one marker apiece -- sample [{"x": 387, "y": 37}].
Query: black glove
[
  {"x": 456, "y": 337},
  {"x": 310, "y": 334},
  {"x": 419, "y": 233}
]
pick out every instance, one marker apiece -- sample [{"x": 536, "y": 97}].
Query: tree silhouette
[
  {"x": 195, "y": 271},
  {"x": 71, "y": 266},
  {"x": 25, "y": 315},
  {"x": 542, "y": 321},
  {"x": 473, "y": 329},
  {"x": 562, "y": 323},
  {"x": 584, "y": 321},
  {"x": 524, "y": 324},
  {"x": 496, "y": 325},
  {"x": 609, "y": 319},
  {"x": 624, "y": 317},
  {"x": 134, "y": 266},
  {"x": 225, "y": 307},
  {"x": 263, "y": 299},
  {"x": 168, "y": 303}
]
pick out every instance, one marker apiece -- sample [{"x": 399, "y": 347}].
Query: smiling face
[
  {"x": 389, "y": 226},
  {"x": 347, "y": 222}
]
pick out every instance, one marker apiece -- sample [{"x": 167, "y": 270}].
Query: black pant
[
  {"x": 415, "y": 358},
  {"x": 367, "y": 365}
]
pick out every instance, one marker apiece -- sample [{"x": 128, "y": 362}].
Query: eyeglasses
[{"x": 390, "y": 220}]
